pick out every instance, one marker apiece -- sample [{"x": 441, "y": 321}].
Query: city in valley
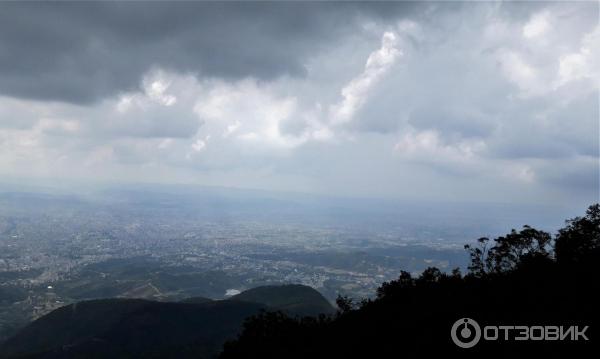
[{"x": 167, "y": 243}]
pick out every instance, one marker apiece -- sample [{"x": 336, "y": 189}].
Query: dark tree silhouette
[
  {"x": 580, "y": 238},
  {"x": 388, "y": 288},
  {"x": 508, "y": 251},
  {"x": 478, "y": 266},
  {"x": 345, "y": 303},
  {"x": 518, "y": 247}
]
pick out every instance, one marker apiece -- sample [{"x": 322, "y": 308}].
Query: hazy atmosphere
[
  {"x": 446, "y": 101},
  {"x": 286, "y": 179}
]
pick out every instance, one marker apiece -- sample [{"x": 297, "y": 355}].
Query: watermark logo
[{"x": 466, "y": 333}]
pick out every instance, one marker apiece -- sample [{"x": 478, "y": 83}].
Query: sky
[{"x": 474, "y": 101}]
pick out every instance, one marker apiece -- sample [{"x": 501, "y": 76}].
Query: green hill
[
  {"x": 196, "y": 327},
  {"x": 291, "y": 298},
  {"x": 196, "y": 300},
  {"x": 132, "y": 327}
]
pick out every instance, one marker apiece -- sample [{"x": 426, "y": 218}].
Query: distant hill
[
  {"x": 196, "y": 327},
  {"x": 196, "y": 300},
  {"x": 132, "y": 327},
  {"x": 291, "y": 298}
]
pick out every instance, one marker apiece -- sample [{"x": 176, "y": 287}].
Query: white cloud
[
  {"x": 537, "y": 26},
  {"x": 582, "y": 64},
  {"x": 428, "y": 146},
  {"x": 522, "y": 172},
  {"x": 522, "y": 74},
  {"x": 165, "y": 143},
  {"x": 54, "y": 124},
  {"x": 250, "y": 110},
  {"x": 199, "y": 145},
  {"x": 154, "y": 92},
  {"x": 465, "y": 158},
  {"x": 355, "y": 93},
  {"x": 231, "y": 128},
  {"x": 155, "y": 87}
]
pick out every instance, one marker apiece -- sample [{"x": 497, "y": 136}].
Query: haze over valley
[{"x": 174, "y": 242}]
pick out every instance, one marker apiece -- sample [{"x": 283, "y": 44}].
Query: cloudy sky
[{"x": 474, "y": 101}]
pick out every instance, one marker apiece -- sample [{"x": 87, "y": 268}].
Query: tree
[
  {"x": 518, "y": 247},
  {"x": 509, "y": 251},
  {"x": 430, "y": 275},
  {"x": 345, "y": 303},
  {"x": 580, "y": 238},
  {"x": 388, "y": 288},
  {"x": 478, "y": 256}
]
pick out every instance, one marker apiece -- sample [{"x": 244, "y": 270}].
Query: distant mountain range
[{"x": 127, "y": 328}]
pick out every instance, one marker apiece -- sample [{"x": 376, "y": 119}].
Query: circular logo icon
[{"x": 465, "y": 333}]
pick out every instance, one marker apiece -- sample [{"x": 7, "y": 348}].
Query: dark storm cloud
[{"x": 81, "y": 52}]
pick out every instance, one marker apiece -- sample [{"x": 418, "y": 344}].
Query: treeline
[{"x": 527, "y": 277}]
